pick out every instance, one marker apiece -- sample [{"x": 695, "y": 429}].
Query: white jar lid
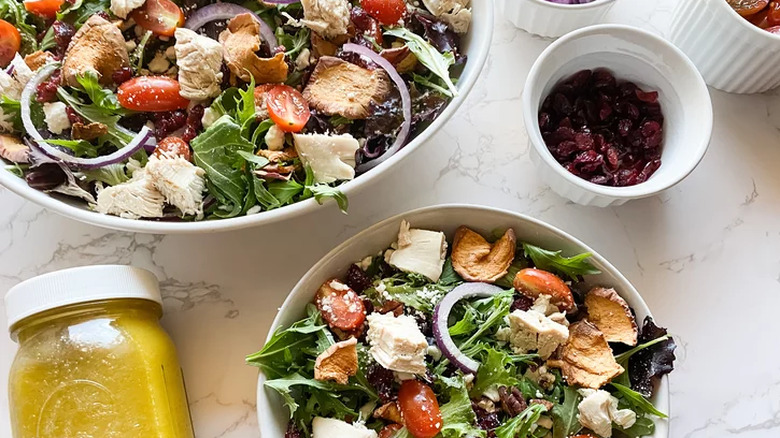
[{"x": 79, "y": 285}]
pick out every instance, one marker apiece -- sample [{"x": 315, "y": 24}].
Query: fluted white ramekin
[
  {"x": 552, "y": 20},
  {"x": 731, "y": 53},
  {"x": 632, "y": 55}
]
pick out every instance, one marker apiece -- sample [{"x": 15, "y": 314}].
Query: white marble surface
[{"x": 705, "y": 255}]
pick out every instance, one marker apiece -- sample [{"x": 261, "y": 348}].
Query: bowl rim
[
  {"x": 481, "y": 50},
  {"x": 298, "y": 292},
  {"x": 531, "y": 110},
  {"x": 745, "y": 23},
  {"x": 576, "y": 7}
]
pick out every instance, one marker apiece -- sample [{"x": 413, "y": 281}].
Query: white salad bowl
[
  {"x": 273, "y": 416},
  {"x": 654, "y": 65},
  {"x": 731, "y": 53},
  {"x": 476, "y": 45},
  {"x": 551, "y": 20}
]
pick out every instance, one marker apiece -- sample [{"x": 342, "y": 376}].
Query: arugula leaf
[
  {"x": 80, "y": 10},
  {"x": 112, "y": 174},
  {"x": 14, "y": 12},
  {"x": 80, "y": 148},
  {"x": 48, "y": 41},
  {"x": 245, "y": 105},
  {"x": 448, "y": 275},
  {"x": 257, "y": 160},
  {"x": 101, "y": 97},
  {"x": 438, "y": 63},
  {"x": 216, "y": 151},
  {"x": 285, "y": 191},
  {"x": 324, "y": 191},
  {"x": 637, "y": 402},
  {"x": 263, "y": 196},
  {"x": 553, "y": 261},
  {"x": 565, "y": 422},
  {"x": 117, "y": 134},
  {"x": 520, "y": 426},
  {"x": 496, "y": 370},
  {"x": 293, "y": 43},
  {"x": 414, "y": 291},
  {"x": 13, "y": 109},
  {"x": 430, "y": 82},
  {"x": 492, "y": 312},
  {"x": 623, "y": 357},
  {"x": 466, "y": 325},
  {"x": 16, "y": 168},
  {"x": 643, "y": 427}
]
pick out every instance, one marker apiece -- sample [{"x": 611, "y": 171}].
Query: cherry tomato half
[
  {"x": 287, "y": 108},
  {"x": 389, "y": 430},
  {"x": 420, "y": 409},
  {"x": 10, "y": 41},
  {"x": 160, "y": 16},
  {"x": 151, "y": 93},
  {"x": 43, "y": 8},
  {"x": 386, "y": 11},
  {"x": 340, "y": 306},
  {"x": 172, "y": 146}
]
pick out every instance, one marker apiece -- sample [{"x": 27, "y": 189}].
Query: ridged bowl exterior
[
  {"x": 552, "y": 20},
  {"x": 732, "y": 54}
]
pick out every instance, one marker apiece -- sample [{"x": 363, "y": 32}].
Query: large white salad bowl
[
  {"x": 476, "y": 45},
  {"x": 273, "y": 416}
]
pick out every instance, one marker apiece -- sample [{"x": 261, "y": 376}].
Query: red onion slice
[
  {"x": 120, "y": 155},
  {"x": 281, "y": 2},
  {"x": 406, "y": 101},
  {"x": 441, "y": 315},
  {"x": 224, "y": 11}
]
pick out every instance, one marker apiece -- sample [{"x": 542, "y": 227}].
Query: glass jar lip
[{"x": 79, "y": 285}]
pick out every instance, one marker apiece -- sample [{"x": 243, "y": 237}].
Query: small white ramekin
[
  {"x": 552, "y": 20},
  {"x": 731, "y": 53},
  {"x": 632, "y": 55}
]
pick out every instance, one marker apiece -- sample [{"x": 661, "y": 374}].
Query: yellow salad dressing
[{"x": 101, "y": 369}]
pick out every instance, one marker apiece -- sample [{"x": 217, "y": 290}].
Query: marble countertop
[{"x": 705, "y": 255}]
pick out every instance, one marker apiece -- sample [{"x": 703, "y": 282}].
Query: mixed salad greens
[
  {"x": 195, "y": 109},
  {"x": 491, "y": 338}
]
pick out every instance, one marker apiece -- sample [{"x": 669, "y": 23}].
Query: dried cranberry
[
  {"x": 194, "y": 123},
  {"x": 486, "y": 420},
  {"x": 650, "y": 97},
  {"x": 47, "y": 90},
  {"x": 63, "y": 33},
  {"x": 104, "y": 15},
  {"x": 73, "y": 116},
  {"x": 292, "y": 431},
  {"x": 521, "y": 302},
  {"x": 167, "y": 122},
  {"x": 122, "y": 75},
  {"x": 357, "y": 279},
  {"x": 382, "y": 380}
]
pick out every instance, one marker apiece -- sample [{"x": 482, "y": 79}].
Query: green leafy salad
[{"x": 472, "y": 337}]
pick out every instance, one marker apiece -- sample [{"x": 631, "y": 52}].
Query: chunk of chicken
[
  {"x": 241, "y": 41},
  {"x": 329, "y": 18},
  {"x": 199, "y": 59},
  {"x": 339, "y": 87},
  {"x": 180, "y": 182},
  {"x": 134, "y": 199},
  {"x": 97, "y": 46}
]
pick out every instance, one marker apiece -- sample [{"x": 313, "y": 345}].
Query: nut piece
[
  {"x": 339, "y": 87},
  {"x": 241, "y": 41},
  {"x": 13, "y": 150},
  {"x": 389, "y": 412},
  {"x": 475, "y": 259},
  {"x": 512, "y": 400},
  {"x": 533, "y": 282},
  {"x": 586, "y": 359},
  {"x": 338, "y": 362},
  {"x": 610, "y": 313},
  {"x": 98, "y": 46},
  {"x": 89, "y": 131}
]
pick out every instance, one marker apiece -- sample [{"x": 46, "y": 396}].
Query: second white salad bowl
[{"x": 272, "y": 414}]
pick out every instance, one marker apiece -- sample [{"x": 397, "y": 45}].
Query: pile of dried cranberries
[{"x": 602, "y": 130}]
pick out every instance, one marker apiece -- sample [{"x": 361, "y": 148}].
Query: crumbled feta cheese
[
  {"x": 130, "y": 45},
  {"x": 199, "y": 60},
  {"x": 56, "y": 117},
  {"x": 419, "y": 251},
  {"x": 303, "y": 60},
  {"x": 134, "y": 199},
  {"x": 22, "y": 72},
  {"x": 337, "y": 285},
  {"x": 121, "y": 8},
  {"x": 209, "y": 117},
  {"x": 159, "y": 64},
  {"x": 397, "y": 343},
  {"x": 180, "y": 182},
  {"x": 274, "y": 138},
  {"x": 330, "y": 157},
  {"x": 531, "y": 330},
  {"x": 332, "y": 428},
  {"x": 365, "y": 263},
  {"x": 329, "y": 18},
  {"x": 598, "y": 409},
  {"x": 434, "y": 352}
]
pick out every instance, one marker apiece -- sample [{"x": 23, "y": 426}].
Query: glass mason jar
[{"x": 93, "y": 360}]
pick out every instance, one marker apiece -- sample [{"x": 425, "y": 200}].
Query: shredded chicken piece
[
  {"x": 199, "y": 59},
  {"x": 329, "y": 18}
]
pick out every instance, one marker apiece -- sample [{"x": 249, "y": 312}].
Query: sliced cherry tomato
[
  {"x": 389, "y": 430},
  {"x": 420, "y": 409},
  {"x": 43, "y": 8},
  {"x": 171, "y": 147},
  {"x": 386, "y": 11},
  {"x": 152, "y": 94},
  {"x": 10, "y": 41},
  {"x": 287, "y": 108},
  {"x": 160, "y": 16},
  {"x": 340, "y": 306}
]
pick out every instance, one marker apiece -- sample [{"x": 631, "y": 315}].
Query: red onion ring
[
  {"x": 280, "y": 2},
  {"x": 120, "y": 155},
  {"x": 441, "y": 315},
  {"x": 406, "y": 101},
  {"x": 224, "y": 11}
]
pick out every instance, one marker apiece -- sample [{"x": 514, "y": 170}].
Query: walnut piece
[
  {"x": 586, "y": 359},
  {"x": 88, "y": 131},
  {"x": 98, "y": 46},
  {"x": 241, "y": 41},
  {"x": 339, "y": 87},
  {"x": 475, "y": 259},
  {"x": 338, "y": 362},
  {"x": 389, "y": 412},
  {"x": 610, "y": 313}
]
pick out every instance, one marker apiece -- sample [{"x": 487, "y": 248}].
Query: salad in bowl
[
  {"x": 468, "y": 333},
  {"x": 193, "y": 110}
]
